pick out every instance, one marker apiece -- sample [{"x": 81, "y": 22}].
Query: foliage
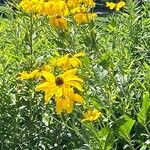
[{"x": 115, "y": 70}]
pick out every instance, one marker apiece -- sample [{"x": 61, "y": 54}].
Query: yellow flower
[
  {"x": 111, "y": 5},
  {"x": 59, "y": 86},
  {"x": 79, "y": 9},
  {"x": 37, "y": 73},
  {"x": 73, "y": 4},
  {"x": 84, "y": 17},
  {"x": 120, "y": 5},
  {"x": 25, "y": 76},
  {"x": 68, "y": 61},
  {"x": 66, "y": 104},
  {"x": 89, "y": 3},
  {"x": 116, "y": 6},
  {"x": 60, "y": 8},
  {"x": 59, "y": 22},
  {"x": 28, "y": 5},
  {"x": 91, "y": 115},
  {"x": 43, "y": 7}
]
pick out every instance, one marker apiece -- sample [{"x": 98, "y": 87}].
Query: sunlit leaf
[
  {"x": 106, "y": 139},
  {"x": 142, "y": 115},
  {"x": 124, "y": 126}
]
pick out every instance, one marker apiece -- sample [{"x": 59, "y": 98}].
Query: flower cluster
[
  {"x": 59, "y": 11},
  {"x": 62, "y": 86},
  {"x": 116, "y": 6},
  {"x": 91, "y": 115}
]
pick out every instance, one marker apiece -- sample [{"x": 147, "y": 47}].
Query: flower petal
[
  {"x": 73, "y": 78},
  {"x": 49, "y": 94},
  {"x": 69, "y": 73},
  {"x": 78, "y": 98},
  {"x": 59, "y": 92},
  {"x": 48, "y": 76},
  {"x": 81, "y": 54},
  {"x": 43, "y": 87},
  {"x": 75, "y": 84}
]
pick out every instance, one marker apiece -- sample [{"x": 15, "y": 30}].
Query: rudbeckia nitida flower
[
  {"x": 58, "y": 22},
  {"x": 116, "y": 6},
  {"x": 37, "y": 73},
  {"x": 26, "y": 76},
  {"x": 111, "y": 5},
  {"x": 91, "y": 115},
  {"x": 66, "y": 104},
  {"x": 120, "y": 5},
  {"x": 28, "y": 5},
  {"x": 69, "y": 61},
  {"x": 59, "y": 86},
  {"x": 84, "y": 17}
]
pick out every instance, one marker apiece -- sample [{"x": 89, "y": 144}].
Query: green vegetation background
[{"x": 117, "y": 81}]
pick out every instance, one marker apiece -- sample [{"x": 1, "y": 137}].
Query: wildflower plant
[
  {"x": 73, "y": 79},
  {"x": 59, "y": 12}
]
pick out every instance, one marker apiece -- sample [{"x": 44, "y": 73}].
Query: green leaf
[
  {"x": 46, "y": 119},
  {"x": 106, "y": 139},
  {"x": 142, "y": 115},
  {"x": 95, "y": 103},
  {"x": 124, "y": 126},
  {"x": 143, "y": 147}
]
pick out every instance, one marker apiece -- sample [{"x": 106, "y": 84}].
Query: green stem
[
  {"x": 94, "y": 133},
  {"x": 30, "y": 38},
  {"x": 147, "y": 130},
  {"x": 130, "y": 144},
  {"x": 73, "y": 128}
]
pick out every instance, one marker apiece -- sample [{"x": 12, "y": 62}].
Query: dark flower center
[
  {"x": 46, "y": 0},
  {"x": 69, "y": 56},
  {"x": 58, "y": 17},
  {"x": 59, "y": 81},
  {"x": 82, "y": 3}
]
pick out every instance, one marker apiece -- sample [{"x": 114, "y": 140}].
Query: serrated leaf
[
  {"x": 106, "y": 139},
  {"x": 142, "y": 115}
]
